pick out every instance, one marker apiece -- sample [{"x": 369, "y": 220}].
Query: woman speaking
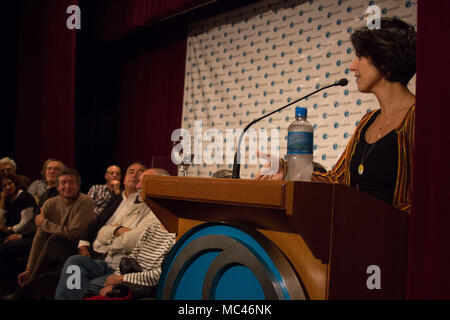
[{"x": 377, "y": 159}]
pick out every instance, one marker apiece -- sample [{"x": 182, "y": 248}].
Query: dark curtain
[
  {"x": 44, "y": 110},
  {"x": 429, "y": 257},
  {"x": 8, "y": 65},
  {"x": 151, "y": 97}
]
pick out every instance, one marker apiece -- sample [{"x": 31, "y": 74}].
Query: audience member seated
[
  {"x": 16, "y": 207},
  {"x": 59, "y": 226},
  {"x": 114, "y": 255},
  {"x": 8, "y": 166},
  {"x": 101, "y": 193},
  {"x": 98, "y": 277},
  {"x": 14, "y": 251},
  {"x": 50, "y": 170},
  {"x": 120, "y": 205},
  {"x": 116, "y": 231}
]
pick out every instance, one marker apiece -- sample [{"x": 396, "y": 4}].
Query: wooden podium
[{"x": 331, "y": 234}]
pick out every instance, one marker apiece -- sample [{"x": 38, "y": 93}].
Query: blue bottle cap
[{"x": 301, "y": 112}]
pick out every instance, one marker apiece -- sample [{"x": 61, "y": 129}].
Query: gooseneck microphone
[{"x": 237, "y": 156}]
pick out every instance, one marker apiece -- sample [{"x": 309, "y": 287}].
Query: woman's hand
[
  {"x": 269, "y": 171},
  {"x": 104, "y": 292},
  {"x": 13, "y": 237},
  {"x": 113, "y": 279}
]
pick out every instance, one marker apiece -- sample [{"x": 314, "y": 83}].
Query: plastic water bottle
[{"x": 300, "y": 147}]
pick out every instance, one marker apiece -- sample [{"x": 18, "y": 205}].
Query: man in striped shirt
[
  {"x": 101, "y": 193},
  {"x": 98, "y": 276}
]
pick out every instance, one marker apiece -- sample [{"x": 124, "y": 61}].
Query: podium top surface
[{"x": 218, "y": 190}]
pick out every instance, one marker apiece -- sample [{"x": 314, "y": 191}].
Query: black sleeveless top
[
  {"x": 23, "y": 201},
  {"x": 380, "y": 165}
]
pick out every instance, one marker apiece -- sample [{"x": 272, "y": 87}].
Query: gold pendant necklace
[
  {"x": 361, "y": 169},
  {"x": 364, "y": 155}
]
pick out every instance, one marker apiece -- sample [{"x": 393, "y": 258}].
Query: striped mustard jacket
[{"x": 403, "y": 188}]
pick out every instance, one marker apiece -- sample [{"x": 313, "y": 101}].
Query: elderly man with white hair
[{"x": 8, "y": 166}]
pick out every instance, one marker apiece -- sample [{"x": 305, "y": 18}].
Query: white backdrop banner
[{"x": 245, "y": 63}]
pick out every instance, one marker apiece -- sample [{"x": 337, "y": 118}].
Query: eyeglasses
[{"x": 6, "y": 170}]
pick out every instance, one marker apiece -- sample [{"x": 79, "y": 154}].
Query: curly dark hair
[
  {"x": 391, "y": 49},
  {"x": 8, "y": 176}
]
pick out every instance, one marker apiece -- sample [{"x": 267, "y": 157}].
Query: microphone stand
[{"x": 237, "y": 155}]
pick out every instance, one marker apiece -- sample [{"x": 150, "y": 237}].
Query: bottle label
[{"x": 300, "y": 143}]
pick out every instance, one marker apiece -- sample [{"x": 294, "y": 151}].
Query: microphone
[
  {"x": 343, "y": 82},
  {"x": 237, "y": 156}
]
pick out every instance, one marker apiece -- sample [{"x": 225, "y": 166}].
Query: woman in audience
[{"x": 16, "y": 207}]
